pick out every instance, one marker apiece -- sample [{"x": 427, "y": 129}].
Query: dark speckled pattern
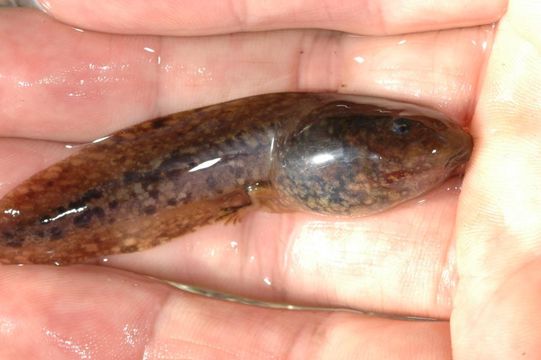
[
  {"x": 165, "y": 177},
  {"x": 359, "y": 160}
]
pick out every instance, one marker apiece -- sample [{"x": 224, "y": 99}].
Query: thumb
[{"x": 496, "y": 308}]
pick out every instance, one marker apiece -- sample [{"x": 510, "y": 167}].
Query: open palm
[{"x": 469, "y": 257}]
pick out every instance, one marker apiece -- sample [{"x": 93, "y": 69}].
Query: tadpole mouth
[{"x": 462, "y": 156}]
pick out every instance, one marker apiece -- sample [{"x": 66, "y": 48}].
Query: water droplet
[
  {"x": 130, "y": 334},
  {"x": 359, "y": 59},
  {"x": 77, "y": 94},
  {"x": 101, "y": 139},
  {"x": 12, "y": 212},
  {"x": 7, "y": 326}
]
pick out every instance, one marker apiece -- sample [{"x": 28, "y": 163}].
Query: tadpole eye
[{"x": 401, "y": 126}]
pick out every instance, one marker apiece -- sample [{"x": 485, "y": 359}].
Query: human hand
[{"x": 77, "y": 86}]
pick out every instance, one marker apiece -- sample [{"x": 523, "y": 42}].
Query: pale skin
[{"x": 468, "y": 258}]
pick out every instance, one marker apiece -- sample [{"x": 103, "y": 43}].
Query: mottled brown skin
[
  {"x": 361, "y": 159},
  {"x": 163, "y": 178}
]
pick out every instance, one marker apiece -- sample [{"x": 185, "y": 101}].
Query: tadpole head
[
  {"x": 356, "y": 159},
  {"x": 422, "y": 144}
]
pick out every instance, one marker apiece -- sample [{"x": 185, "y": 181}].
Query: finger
[
  {"x": 499, "y": 237},
  {"x": 166, "y": 17},
  {"x": 80, "y": 86},
  {"x": 77, "y": 315}
]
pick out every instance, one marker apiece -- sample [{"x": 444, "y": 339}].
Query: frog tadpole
[{"x": 144, "y": 185}]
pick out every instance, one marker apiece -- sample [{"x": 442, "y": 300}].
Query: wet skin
[{"x": 325, "y": 153}]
